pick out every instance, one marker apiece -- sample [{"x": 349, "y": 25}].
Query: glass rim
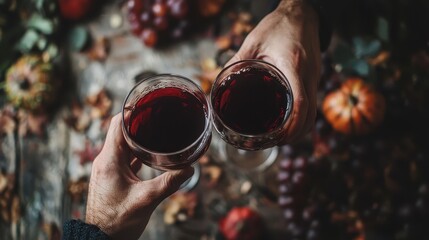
[
  {"x": 207, "y": 126},
  {"x": 284, "y": 79}
]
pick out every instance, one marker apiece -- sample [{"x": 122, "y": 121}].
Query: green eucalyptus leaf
[
  {"x": 366, "y": 48},
  {"x": 342, "y": 53},
  {"x": 77, "y": 38},
  {"x": 383, "y": 29},
  {"x": 40, "y": 23},
  {"x": 358, "y": 66},
  {"x": 28, "y": 41},
  {"x": 42, "y": 43},
  {"x": 39, "y": 4},
  {"x": 52, "y": 50}
]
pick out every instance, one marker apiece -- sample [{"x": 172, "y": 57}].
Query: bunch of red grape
[
  {"x": 301, "y": 214},
  {"x": 157, "y": 21}
]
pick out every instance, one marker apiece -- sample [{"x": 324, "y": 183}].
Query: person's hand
[
  {"x": 119, "y": 203},
  {"x": 288, "y": 38}
]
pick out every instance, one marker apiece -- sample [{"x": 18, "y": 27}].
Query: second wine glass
[{"x": 252, "y": 102}]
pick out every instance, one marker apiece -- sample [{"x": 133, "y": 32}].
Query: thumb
[{"x": 167, "y": 183}]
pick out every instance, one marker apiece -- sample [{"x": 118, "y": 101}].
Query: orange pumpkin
[{"x": 355, "y": 108}]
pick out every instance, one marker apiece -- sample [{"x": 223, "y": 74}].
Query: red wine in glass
[
  {"x": 167, "y": 122},
  {"x": 252, "y": 101}
]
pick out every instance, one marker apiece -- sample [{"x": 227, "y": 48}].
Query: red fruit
[
  {"x": 285, "y": 201},
  {"x": 135, "y": 25},
  {"x": 149, "y": 37},
  {"x": 289, "y": 214},
  {"x": 135, "y": 6},
  {"x": 75, "y": 9},
  {"x": 159, "y": 9},
  {"x": 136, "y": 28},
  {"x": 161, "y": 23},
  {"x": 300, "y": 163},
  {"x": 286, "y": 164},
  {"x": 179, "y": 8},
  {"x": 145, "y": 18},
  {"x": 241, "y": 223}
]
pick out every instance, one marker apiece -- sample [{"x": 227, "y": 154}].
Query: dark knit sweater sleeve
[{"x": 78, "y": 230}]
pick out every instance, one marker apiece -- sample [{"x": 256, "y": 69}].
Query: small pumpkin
[
  {"x": 355, "y": 108},
  {"x": 241, "y": 223},
  {"x": 30, "y": 83}
]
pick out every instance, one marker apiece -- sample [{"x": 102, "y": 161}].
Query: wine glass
[
  {"x": 252, "y": 102},
  {"x": 167, "y": 122}
]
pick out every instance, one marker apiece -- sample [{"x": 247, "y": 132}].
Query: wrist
[
  {"x": 299, "y": 10},
  {"x": 308, "y": 11}
]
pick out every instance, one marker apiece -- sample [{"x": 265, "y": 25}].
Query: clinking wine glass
[
  {"x": 252, "y": 102},
  {"x": 167, "y": 122}
]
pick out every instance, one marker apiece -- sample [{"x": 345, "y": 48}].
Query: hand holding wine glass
[
  {"x": 288, "y": 38},
  {"x": 119, "y": 203}
]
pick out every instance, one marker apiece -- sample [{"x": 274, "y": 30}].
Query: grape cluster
[
  {"x": 301, "y": 215},
  {"x": 155, "y": 21}
]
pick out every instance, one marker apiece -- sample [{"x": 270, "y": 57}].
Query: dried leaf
[
  {"x": 223, "y": 42},
  {"x": 52, "y": 231},
  {"x": 99, "y": 50},
  {"x": 204, "y": 160},
  {"x": 180, "y": 207},
  {"x": 209, "y": 8},
  {"x": 7, "y": 124},
  {"x": 101, "y": 104},
  {"x": 7, "y": 198},
  {"x": 37, "y": 124},
  {"x": 210, "y": 71},
  {"x": 245, "y": 17},
  {"x": 78, "y": 189},
  {"x": 381, "y": 58},
  {"x": 16, "y": 209},
  {"x": 239, "y": 28},
  {"x": 88, "y": 154},
  {"x": 79, "y": 119},
  {"x": 211, "y": 174},
  {"x": 208, "y": 64},
  {"x": 32, "y": 124},
  {"x": 3, "y": 182}
]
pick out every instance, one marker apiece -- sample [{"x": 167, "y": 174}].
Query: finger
[
  {"x": 292, "y": 70},
  {"x": 115, "y": 148},
  {"x": 165, "y": 184},
  {"x": 311, "y": 85}
]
